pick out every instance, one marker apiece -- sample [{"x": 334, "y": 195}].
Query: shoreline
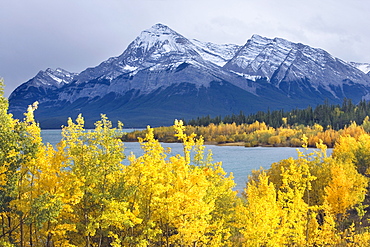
[
  {"x": 227, "y": 144},
  {"x": 232, "y": 144}
]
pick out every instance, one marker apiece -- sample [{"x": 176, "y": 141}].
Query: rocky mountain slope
[{"x": 162, "y": 75}]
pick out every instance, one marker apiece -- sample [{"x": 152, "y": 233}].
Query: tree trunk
[
  {"x": 49, "y": 242},
  {"x": 9, "y": 226},
  {"x": 31, "y": 242},
  {"x": 21, "y": 231}
]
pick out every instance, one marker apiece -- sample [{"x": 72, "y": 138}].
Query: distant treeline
[{"x": 327, "y": 115}]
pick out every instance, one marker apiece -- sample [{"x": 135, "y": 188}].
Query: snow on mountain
[
  {"x": 161, "y": 64},
  {"x": 248, "y": 53},
  {"x": 51, "y": 77},
  {"x": 280, "y": 60},
  {"x": 156, "y": 50},
  {"x": 160, "y": 49},
  {"x": 364, "y": 67},
  {"x": 159, "y": 45},
  {"x": 156, "y": 47},
  {"x": 39, "y": 88},
  {"x": 262, "y": 56},
  {"x": 217, "y": 54}
]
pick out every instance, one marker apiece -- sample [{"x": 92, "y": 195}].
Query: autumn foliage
[
  {"x": 79, "y": 193},
  {"x": 259, "y": 134}
]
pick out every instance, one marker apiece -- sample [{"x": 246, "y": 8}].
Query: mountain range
[{"x": 163, "y": 75}]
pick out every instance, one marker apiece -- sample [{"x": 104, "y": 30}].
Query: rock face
[{"x": 162, "y": 75}]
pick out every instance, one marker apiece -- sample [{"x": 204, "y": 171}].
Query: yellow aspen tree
[
  {"x": 30, "y": 146},
  {"x": 345, "y": 149},
  {"x": 168, "y": 194},
  {"x": 346, "y": 188},
  {"x": 16, "y": 148},
  {"x": 366, "y": 124},
  {"x": 296, "y": 183},
  {"x": 9, "y": 163},
  {"x": 52, "y": 192},
  {"x": 221, "y": 224},
  {"x": 259, "y": 219},
  {"x": 321, "y": 170},
  {"x": 362, "y": 154},
  {"x": 219, "y": 191},
  {"x": 29, "y": 206},
  {"x": 95, "y": 161},
  {"x": 176, "y": 195},
  {"x": 354, "y": 238},
  {"x": 40, "y": 195},
  {"x": 148, "y": 177},
  {"x": 10, "y": 160},
  {"x": 353, "y": 130},
  {"x": 53, "y": 197},
  {"x": 322, "y": 228},
  {"x": 319, "y": 167},
  {"x": 350, "y": 149},
  {"x": 193, "y": 214}
]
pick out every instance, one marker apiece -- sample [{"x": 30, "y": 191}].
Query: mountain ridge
[{"x": 262, "y": 74}]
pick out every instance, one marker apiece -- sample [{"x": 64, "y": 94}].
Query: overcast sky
[{"x": 76, "y": 34}]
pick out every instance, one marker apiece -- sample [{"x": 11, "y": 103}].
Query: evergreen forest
[
  {"x": 326, "y": 115},
  {"x": 79, "y": 193}
]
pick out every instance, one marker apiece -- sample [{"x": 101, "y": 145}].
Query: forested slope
[{"x": 327, "y": 115}]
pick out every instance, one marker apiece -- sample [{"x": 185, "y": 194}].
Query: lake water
[{"x": 238, "y": 160}]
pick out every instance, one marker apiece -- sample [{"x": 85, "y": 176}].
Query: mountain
[
  {"x": 364, "y": 67},
  {"x": 293, "y": 66},
  {"x": 38, "y": 88},
  {"x": 162, "y": 75}
]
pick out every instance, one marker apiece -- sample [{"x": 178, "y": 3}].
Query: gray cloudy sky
[{"x": 76, "y": 34}]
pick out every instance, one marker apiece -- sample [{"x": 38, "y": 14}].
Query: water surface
[{"x": 236, "y": 159}]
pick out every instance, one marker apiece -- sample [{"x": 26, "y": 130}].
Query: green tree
[{"x": 18, "y": 148}]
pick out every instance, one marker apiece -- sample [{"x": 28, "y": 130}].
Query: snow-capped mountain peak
[
  {"x": 364, "y": 67},
  {"x": 158, "y": 32},
  {"x": 157, "y": 44},
  {"x": 53, "y": 77},
  {"x": 160, "y": 37},
  {"x": 156, "y": 48},
  {"x": 280, "y": 60}
]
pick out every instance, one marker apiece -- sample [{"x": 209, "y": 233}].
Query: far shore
[
  {"x": 227, "y": 144},
  {"x": 234, "y": 144}
]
